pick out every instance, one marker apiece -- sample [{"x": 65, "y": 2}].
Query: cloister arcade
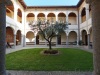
[{"x": 69, "y": 16}]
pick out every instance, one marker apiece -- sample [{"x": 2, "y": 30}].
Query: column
[
  {"x": 77, "y": 40},
  {"x": 36, "y": 18},
  {"x": 15, "y": 13},
  {"x": 88, "y": 40},
  {"x": 56, "y": 40},
  {"x": 95, "y": 6},
  {"x": 56, "y": 17},
  {"x": 67, "y": 41},
  {"x": 2, "y": 37},
  {"x": 87, "y": 11},
  {"x": 22, "y": 40},
  {"x": 14, "y": 40}
]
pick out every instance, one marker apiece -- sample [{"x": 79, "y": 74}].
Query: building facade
[{"x": 19, "y": 15}]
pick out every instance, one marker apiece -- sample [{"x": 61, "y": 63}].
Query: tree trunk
[
  {"x": 2, "y": 38},
  {"x": 50, "y": 45}
]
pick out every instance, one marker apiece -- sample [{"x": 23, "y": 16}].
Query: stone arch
[
  {"x": 10, "y": 10},
  {"x": 72, "y": 38},
  {"x": 83, "y": 15},
  {"x": 18, "y": 37},
  {"x": 41, "y": 16},
  {"x": 72, "y": 18},
  {"x": 30, "y": 17},
  {"x": 51, "y": 17},
  {"x": 19, "y": 16},
  {"x": 84, "y": 37},
  {"x": 30, "y": 37},
  {"x": 61, "y": 38},
  {"x": 62, "y": 17},
  {"x": 9, "y": 34}
]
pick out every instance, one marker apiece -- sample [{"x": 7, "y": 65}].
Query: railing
[
  {"x": 10, "y": 21},
  {"x": 72, "y": 26}
]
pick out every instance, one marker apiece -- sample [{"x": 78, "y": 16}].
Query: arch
[
  {"x": 72, "y": 18},
  {"x": 19, "y": 16},
  {"x": 83, "y": 15},
  {"x": 9, "y": 35},
  {"x": 41, "y": 16},
  {"x": 10, "y": 10},
  {"x": 18, "y": 37},
  {"x": 30, "y": 37},
  {"x": 51, "y": 17},
  {"x": 84, "y": 37},
  {"x": 62, "y": 17},
  {"x": 72, "y": 38},
  {"x": 63, "y": 38},
  {"x": 30, "y": 17}
]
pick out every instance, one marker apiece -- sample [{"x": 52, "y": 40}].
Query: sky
[{"x": 51, "y": 2}]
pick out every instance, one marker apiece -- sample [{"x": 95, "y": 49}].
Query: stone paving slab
[{"x": 48, "y": 73}]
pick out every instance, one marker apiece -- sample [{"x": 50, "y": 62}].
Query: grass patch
[{"x": 69, "y": 60}]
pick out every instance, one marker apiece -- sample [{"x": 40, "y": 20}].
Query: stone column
[
  {"x": 87, "y": 12},
  {"x": 56, "y": 17},
  {"x": 67, "y": 41},
  {"x": 77, "y": 40},
  {"x": 95, "y": 6},
  {"x": 15, "y": 13},
  {"x": 14, "y": 40},
  {"x": 2, "y": 37},
  {"x": 56, "y": 40},
  {"x": 88, "y": 40},
  {"x": 35, "y": 40},
  {"x": 22, "y": 40}
]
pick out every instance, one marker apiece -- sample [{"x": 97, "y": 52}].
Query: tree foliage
[{"x": 49, "y": 30}]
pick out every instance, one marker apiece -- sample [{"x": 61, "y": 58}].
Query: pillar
[
  {"x": 22, "y": 40},
  {"x": 14, "y": 40},
  {"x": 2, "y": 37},
  {"x": 15, "y": 13},
  {"x": 95, "y": 6},
  {"x": 67, "y": 41},
  {"x": 87, "y": 11},
  {"x": 88, "y": 37}
]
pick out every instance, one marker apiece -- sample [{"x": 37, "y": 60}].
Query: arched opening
[
  {"x": 83, "y": 15},
  {"x": 9, "y": 35},
  {"x": 30, "y": 17},
  {"x": 62, "y": 38},
  {"x": 30, "y": 37},
  {"x": 51, "y": 17},
  {"x": 10, "y": 11},
  {"x": 62, "y": 17},
  {"x": 18, "y": 37},
  {"x": 84, "y": 37},
  {"x": 41, "y": 17},
  {"x": 19, "y": 16},
  {"x": 72, "y": 38},
  {"x": 72, "y": 19}
]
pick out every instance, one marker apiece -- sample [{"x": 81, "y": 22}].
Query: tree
[{"x": 49, "y": 30}]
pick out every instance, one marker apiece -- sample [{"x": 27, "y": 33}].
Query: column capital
[{"x": 7, "y": 2}]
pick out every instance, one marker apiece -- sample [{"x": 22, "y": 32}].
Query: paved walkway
[
  {"x": 11, "y": 72},
  {"x": 48, "y": 73}
]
